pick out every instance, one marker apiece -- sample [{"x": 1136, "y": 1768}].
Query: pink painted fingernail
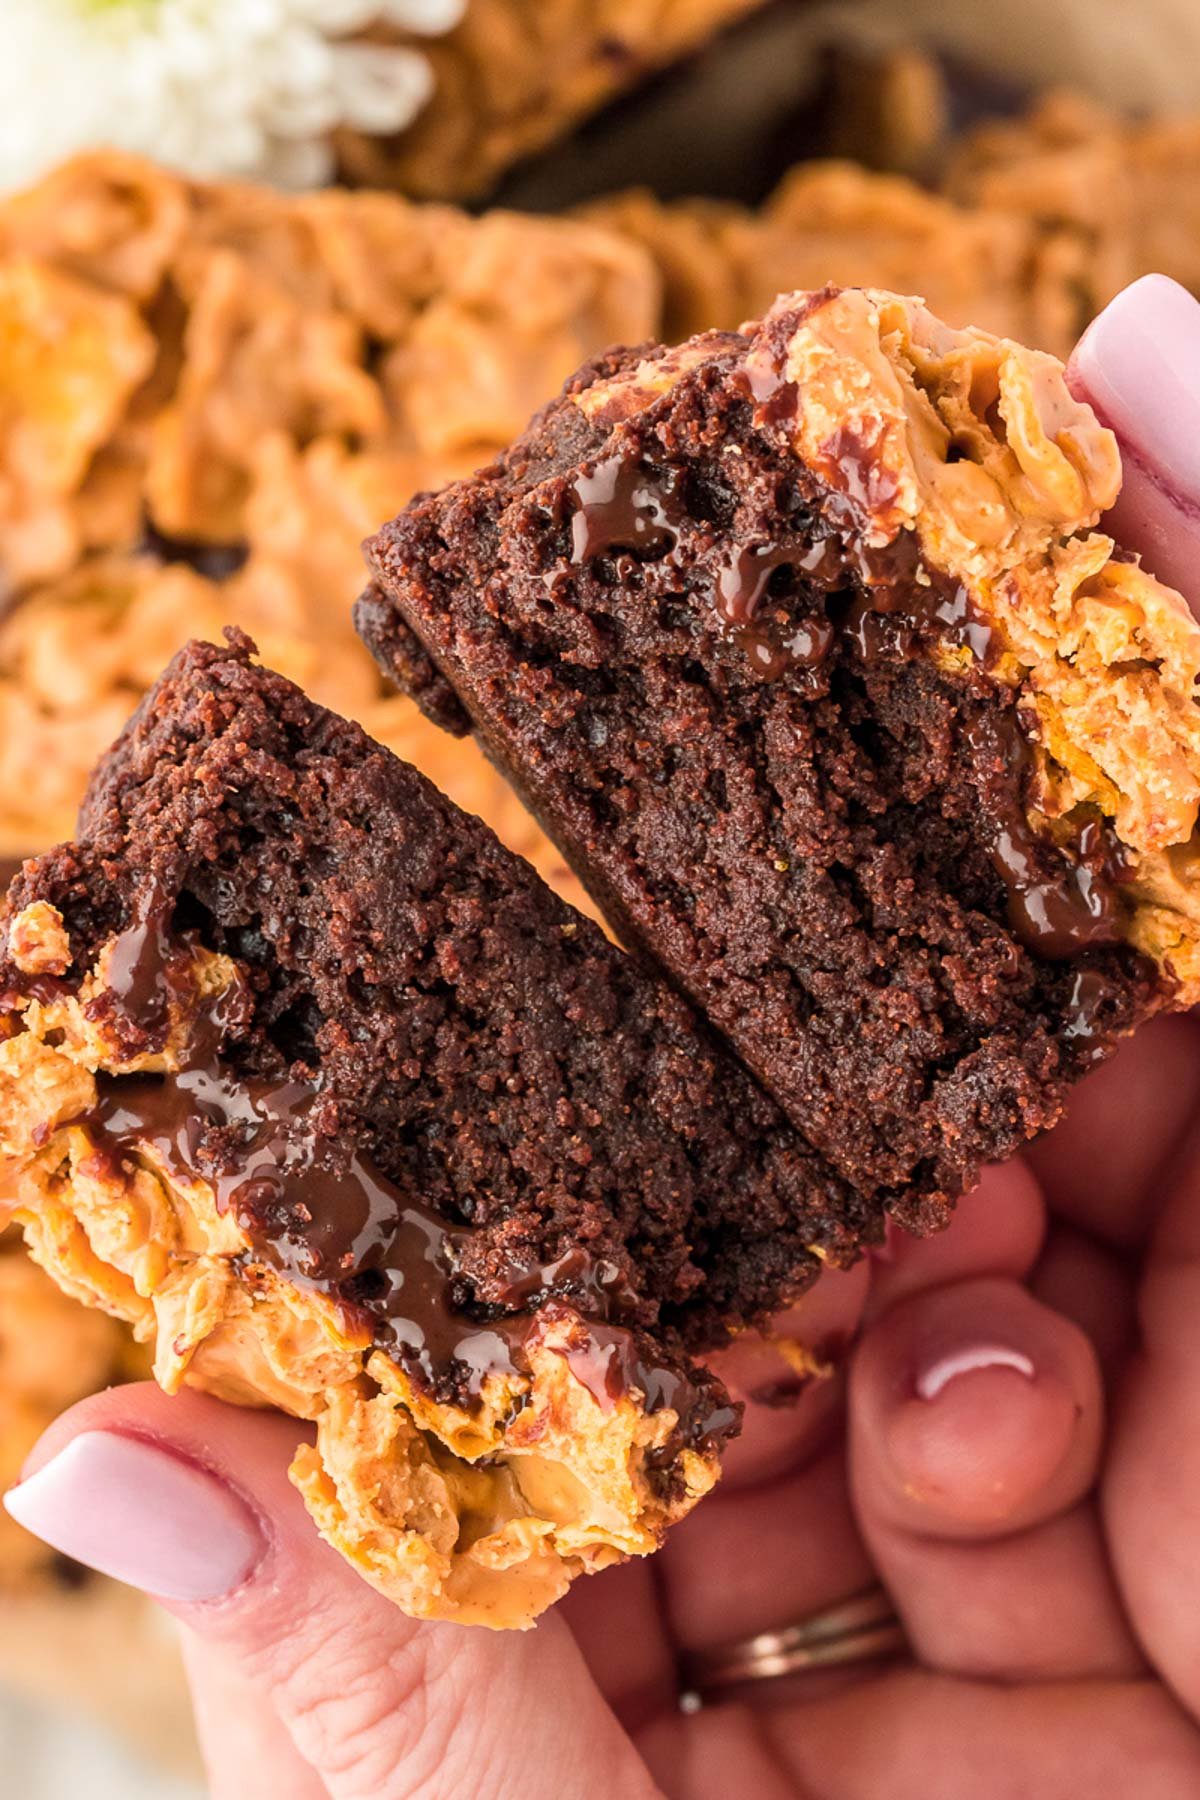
[
  {"x": 1138, "y": 365},
  {"x": 141, "y": 1514},
  {"x": 947, "y": 1367}
]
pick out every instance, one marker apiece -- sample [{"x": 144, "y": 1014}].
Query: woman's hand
[{"x": 1012, "y": 1449}]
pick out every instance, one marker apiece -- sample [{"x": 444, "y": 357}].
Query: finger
[
  {"x": 1139, "y": 366},
  {"x": 759, "y": 1560},
  {"x": 913, "y": 1736},
  {"x": 793, "y": 1541},
  {"x": 997, "y": 1229},
  {"x": 976, "y": 1418},
  {"x": 1094, "y": 1287},
  {"x": 1151, "y": 1489},
  {"x": 792, "y": 1412},
  {"x": 190, "y": 1499},
  {"x": 974, "y": 1411},
  {"x": 777, "y": 1540},
  {"x": 248, "y": 1754},
  {"x": 619, "y": 1626},
  {"x": 1101, "y": 1165}
]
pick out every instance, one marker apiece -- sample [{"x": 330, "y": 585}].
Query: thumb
[
  {"x": 1138, "y": 365},
  {"x": 190, "y": 1500}
]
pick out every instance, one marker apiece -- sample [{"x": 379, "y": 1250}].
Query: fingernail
[
  {"x": 968, "y": 1360},
  {"x": 1139, "y": 367},
  {"x": 141, "y": 1514},
  {"x": 1139, "y": 363}
]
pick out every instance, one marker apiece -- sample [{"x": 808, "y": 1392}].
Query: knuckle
[{"x": 375, "y": 1725}]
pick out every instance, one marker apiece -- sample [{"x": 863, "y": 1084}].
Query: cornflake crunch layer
[
  {"x": 974, "y": 447},
  {"x": 482, "y": 1513}
]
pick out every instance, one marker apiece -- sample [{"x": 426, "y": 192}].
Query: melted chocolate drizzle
[
  {"x": 885, "y": 605},
  {"x": 338, "y": 1225},
  {"x": 1062, "y": 899},
  {"x": 776, "y": 399},
  {"x": 772, "y": 647},
  {"x": 139, "y": 963},
  {"x": 625, "y": 506},
  {"x": 1093, "y": 1002},
  {"x": 621, "y": 507}
]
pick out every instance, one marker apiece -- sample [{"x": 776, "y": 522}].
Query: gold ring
[{"x": 857, "y": 1630}]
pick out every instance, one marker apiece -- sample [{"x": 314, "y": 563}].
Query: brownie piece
[
  {"x": 774, "y": 632},
  {"x": 322, "y": 1089},
  {"x": 486, "y": 1047}
]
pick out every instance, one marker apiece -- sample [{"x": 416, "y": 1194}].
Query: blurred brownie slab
[{"x": 515, "y": 75}]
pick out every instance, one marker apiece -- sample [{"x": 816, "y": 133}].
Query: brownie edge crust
[
  {"x": 802, "y": 645},
  {"x": 307, "y": 1077}
]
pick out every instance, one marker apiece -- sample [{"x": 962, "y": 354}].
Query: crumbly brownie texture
[
  {"x": 515, "y": 75},
  {"x": 309, "y": 1079},
  {"x": 211, "y": 392},
  {"x": 802, "y": 646}
]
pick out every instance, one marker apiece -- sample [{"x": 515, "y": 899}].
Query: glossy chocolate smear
[
  {"x": 622, "y": 505},
  {"x": 773, "y": 642},
  {"x": 139, "y": 964},
  {"x": 327, "y": 1219},
  {"x": 344, "y": 1230},
  {"x": 1063, "y": 899}
]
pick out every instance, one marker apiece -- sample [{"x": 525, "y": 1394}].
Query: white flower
[{"x": 212, "y": 87}]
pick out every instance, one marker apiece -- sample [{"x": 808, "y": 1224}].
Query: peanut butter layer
[
  {"x": 803, "y": 645},
  {"x": 972, "y": 449},
  {"x": 480, "y": 1509},
  {"x": 469, "y": 1467}
]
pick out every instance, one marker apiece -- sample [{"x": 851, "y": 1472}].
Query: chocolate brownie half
[
  {"x": 801, "y": 643},
  {"x": 310, "y": 1079}
]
